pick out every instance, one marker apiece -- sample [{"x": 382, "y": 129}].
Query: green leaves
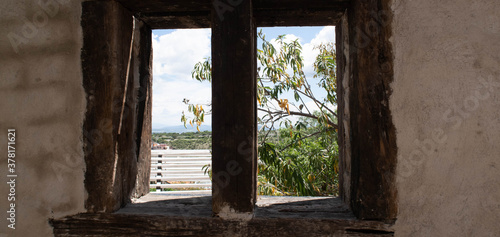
[
  {"x": 303, "y": 164},
  {"x": 325, "y": 68},
  {"x": 296, "y": 95},
  {"x": 198, "y": 113},
  {"x": 203, "y": 70},
  {"x": 207, "y": 169}
]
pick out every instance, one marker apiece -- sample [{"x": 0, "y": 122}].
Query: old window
[{"x": 367, "y": 136}]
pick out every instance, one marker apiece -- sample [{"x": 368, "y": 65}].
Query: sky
[{"x": 175, "y": 52}]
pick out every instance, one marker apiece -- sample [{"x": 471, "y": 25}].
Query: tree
[{"x": 305, "y": 160}]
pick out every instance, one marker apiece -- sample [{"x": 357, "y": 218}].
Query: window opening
[
  {"x": 297, "y": 137},
  {"x": 181, "y": 142}
]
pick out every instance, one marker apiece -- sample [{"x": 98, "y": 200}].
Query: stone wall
[
  {"x": 43, "y": 99},
  {"x": 446, "y": 109}
]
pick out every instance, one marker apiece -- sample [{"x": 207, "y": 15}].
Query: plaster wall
[
  {"x": 43, "y": 99},
  {"x": 446, "y": 109},
  {"x": 445, "y": 105}
]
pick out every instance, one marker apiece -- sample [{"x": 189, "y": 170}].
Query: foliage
[
  {"x": 197, "y": 111},
  {"x": 304, "y": 163},
  {"x": 207, "y": 170},
  {"x": 302, "y": 158},
  {"x": 185, "y": 141}
]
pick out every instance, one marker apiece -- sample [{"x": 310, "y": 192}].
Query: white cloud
[
  {"x": 174, "y": 56},
  {"x": 176, "y": 53},
  {"x": 326, "y": 35},
  {"x": 168, "y": 96}
]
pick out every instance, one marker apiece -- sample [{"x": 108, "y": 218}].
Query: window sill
[{"x": 165, "y": 215}]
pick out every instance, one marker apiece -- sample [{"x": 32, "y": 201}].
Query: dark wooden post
[
  {"x": 373, "y": 148},
  {"x": 144, "y": 75},
  {"x": 107, "y": 28},
  {"x": 234, "y": 109},
  {"x": 116, "y": 68},
  {"x": 343, "y": 84}
]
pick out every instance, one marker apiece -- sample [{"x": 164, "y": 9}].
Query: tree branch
[
  {"x": 335, "y": 126},
  {"x": 302, "y": 138},
  {"x": 318, "y": 102}
]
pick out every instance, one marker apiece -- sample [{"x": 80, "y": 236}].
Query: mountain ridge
[{"x": 181, "y": 129}]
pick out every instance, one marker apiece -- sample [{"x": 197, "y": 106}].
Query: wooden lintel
[
  {"x": 197, "y": 14},
  {"x": 263, "y": 18},
  {"x": 177, "y": 20},
  {"x": 300, "y": 17},
  {"x": 155, "y": 6}
]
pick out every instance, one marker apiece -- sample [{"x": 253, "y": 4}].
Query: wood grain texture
[
  {"x": 373, "y": 136},
  {"x": 176, "y": 14},
  {"x": 147, "y": 225},
  {"x": 368, "y": 173},
  {"x": 234, "y": 100},
  {"x": 297, "y": 17},
  {"x": 343, "y": 85},
  {"x": 118, "y": 117},
  {"x": 107, "y": 30},
  {"x": 175, "y": 20},
  {"x": 163, "y": 215},
  {"x": 154, "y": 6},
  {"x": 144, "y": 109}
]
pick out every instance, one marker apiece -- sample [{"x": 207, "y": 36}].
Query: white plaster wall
[
  {"x": 446, "y": 109},
  {"x": 42, "y": 97},
  {"x": 447, "y": 120}
]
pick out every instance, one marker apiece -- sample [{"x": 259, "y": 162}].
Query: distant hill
[{"x": 181, "y": 129}]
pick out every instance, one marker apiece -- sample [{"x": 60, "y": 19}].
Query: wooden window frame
[{"x": 115, "y": 171}]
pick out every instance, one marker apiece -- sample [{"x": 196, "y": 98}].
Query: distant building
[{"x": 158, "y": 146}]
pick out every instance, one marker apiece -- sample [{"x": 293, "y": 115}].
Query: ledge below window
[{"x": 159, "y": 214}]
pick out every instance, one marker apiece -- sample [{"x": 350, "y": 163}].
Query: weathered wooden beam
[
  {"x": 263, "y": 18},
  {"x": 234, "y": 99},
  {"x": 299, "y": 4},
  {"x": 297, "y": 17},
  {"x": 344, "y": 82},
  {"x": 143, "y": 74},
  {"x": 157, "y": 225},
  {"x": 177, "y": 14},
  {"x": 177, "y": 20},
  {"x": 156, "y": 6},
  {"x": 150, "y": 6},
  {"x": 373, "y": 137},
  {"x": 107, "y": 29}
]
